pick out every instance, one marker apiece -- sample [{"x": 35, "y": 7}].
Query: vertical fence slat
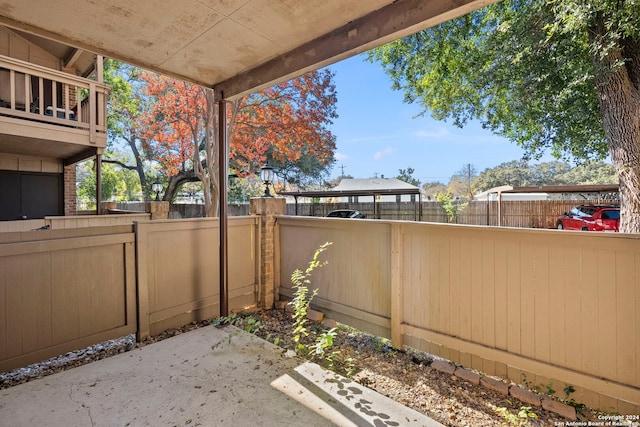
[{"x": 396, "y": 286}]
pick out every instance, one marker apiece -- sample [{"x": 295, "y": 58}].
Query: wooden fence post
[{"x": 397, "y": 231}]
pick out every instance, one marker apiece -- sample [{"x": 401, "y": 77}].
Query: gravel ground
[{"x": 402, "y": 375}]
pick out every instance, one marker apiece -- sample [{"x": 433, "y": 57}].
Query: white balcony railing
[{"x": 33, "y": 92}]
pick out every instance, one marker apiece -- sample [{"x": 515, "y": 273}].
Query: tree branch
[{"x": 119, "y": 163}]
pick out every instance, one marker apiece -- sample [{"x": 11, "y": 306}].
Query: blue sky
[{"x": 378, "y": 134}]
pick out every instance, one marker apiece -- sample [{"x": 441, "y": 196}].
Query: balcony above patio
[{"x": 50, "y": 113}]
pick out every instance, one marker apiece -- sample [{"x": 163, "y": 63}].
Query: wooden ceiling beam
[{"x": 397, "y": 20}]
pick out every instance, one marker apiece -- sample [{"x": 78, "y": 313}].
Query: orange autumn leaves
[{"x": 282, "y": 122}]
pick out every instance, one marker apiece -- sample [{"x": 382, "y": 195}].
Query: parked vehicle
[
  {"x": 591, "y": 218},
  {"x": 346, "y": 213}
]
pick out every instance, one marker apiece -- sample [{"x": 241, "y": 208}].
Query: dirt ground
[{"x": 406, "y": 376}]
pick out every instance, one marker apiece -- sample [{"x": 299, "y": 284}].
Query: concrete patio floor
[{"x": 181, "y": 381}]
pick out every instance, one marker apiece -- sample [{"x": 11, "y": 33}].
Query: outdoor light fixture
[
  {"x": 156, "y": 187},
  {"x": 266, "y": 174}
]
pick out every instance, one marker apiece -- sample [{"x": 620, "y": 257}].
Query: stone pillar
[
  {"x": 105, "y": 207},
  {"x": 267, "y": 208},
  {"x": 158, "y": 210}
]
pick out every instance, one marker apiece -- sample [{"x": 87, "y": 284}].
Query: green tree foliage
[
  {"x": 590, "y": 173},
  {"x": 431, "y": 189},
  {"x": 557, "y": 75},
  {"x": 514, "y": 173},
  {"x": 117, "y": 183},
  {"x": 462, "y": 182},
  {"x": 519, "y": 173},
  {"x": 125, "y": 105},
  {"x": 242, "y": 189},
  {"x": 406, "y": 175},
  {"x": 452, "y": 207},
  {"x": 303, "y": 172},
  {"x": 549, "y": 173}
]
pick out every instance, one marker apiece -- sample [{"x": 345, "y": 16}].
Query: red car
[{"x": 591, "y": 218}]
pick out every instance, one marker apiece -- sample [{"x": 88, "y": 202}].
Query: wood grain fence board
[
  {"x": 625, "y": 313},
  {"x": 464, "y": 265},
  {"x": 573, "y": 344},
  {"x": 542, "y": 313},
  {"x": 589, "y": 296},
  {"x": 489, "y": 297},
  {"x": 455, "y": 290},
  {"x": 556, "y": 306},
  {"x": 475, "y": 255},
  {"x": 557, "y": 294},
  {"x": 63, "y": 292},
  {"x": 527, "y": 300},
  {"x": 501, "y": 298},
  {"x": 178, "y": 270},
  {"x": 514, "y": 296},
  {"x": 606, "y": 327}
]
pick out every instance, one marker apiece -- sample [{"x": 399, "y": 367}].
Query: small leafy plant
[
  {"x": 319, "y": 349},
  {"x": 247, "y": 324},
  {"x": 452, "y": 209},
  {"x": 522, "y": 418},
  {"x": 302, "y": 298}
]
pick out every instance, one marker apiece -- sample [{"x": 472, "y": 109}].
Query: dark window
[
  {"x": 611, "y": 214},
  {"x": 27, "y": 195}
]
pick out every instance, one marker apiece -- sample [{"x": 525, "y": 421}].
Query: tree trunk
[
  {"x": 619, "y": 96},
  {"x": 176, "y": 181}
]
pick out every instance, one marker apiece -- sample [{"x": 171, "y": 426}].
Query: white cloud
[
  {"x": 340, "y": 157},
  {"x": 383, "y": 153}
]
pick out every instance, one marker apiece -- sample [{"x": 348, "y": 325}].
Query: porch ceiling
[
  {"x": 45, "y": 148},
  {"x": 234, "y": 46}
]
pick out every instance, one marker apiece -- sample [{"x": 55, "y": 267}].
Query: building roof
[
  {"x": 607, "y": 190},
  {"x": 234, "y": 46},
  {"x": 368, "y": 184},
  {"x": 590, "y": 188},
  {"x": 360, "y": 187}
]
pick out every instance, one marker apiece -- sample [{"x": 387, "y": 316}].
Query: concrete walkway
[{"x": 181, "y": 381}]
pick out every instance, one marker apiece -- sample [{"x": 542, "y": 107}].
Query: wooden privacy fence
[
  {"x": 61, "y": 290},
  {"x": 521, "y": 213},
  {"x": 538, "y": 306},
  {"x": 178, "y": 270}
]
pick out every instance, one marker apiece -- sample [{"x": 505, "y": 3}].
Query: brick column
[
  {"x": 69, "y": 174},
  {"x": 267, "y": 208},
  {"x": 158, "y": 210}
]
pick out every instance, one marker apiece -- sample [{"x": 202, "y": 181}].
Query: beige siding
[
  {"x": 552, "y": 305},
  {"x": 14, "y": 46},
  {"x": 15, "y": 162}
]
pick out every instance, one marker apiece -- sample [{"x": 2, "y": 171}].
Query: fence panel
[
  {"x": 357, "y": 294},
  {"x": 178, "y": 270},
  {"x": 62, "y": 290},
  {"x": 550, "y": 305}
]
